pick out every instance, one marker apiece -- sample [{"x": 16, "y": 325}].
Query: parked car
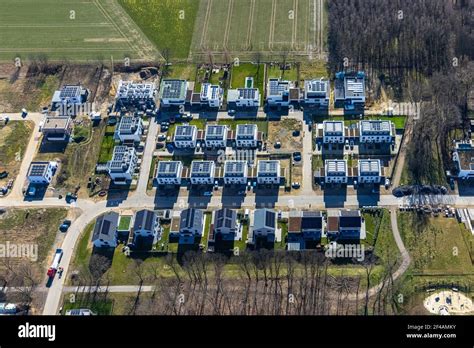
[
  {"x": 65, "y": 225},
  {"x": 297, "y": 156},
  {"x": 161, "y": 137},
  {"x": 296, "y": 133},
  {"x": 170, "y": 147},
  {"x": 310, "y": 126},
  {"x": 160, "y": 145},
  {"x": 231, "y": 112},
  {"x": 3, "y": 174},
  {"x": 296, "y": 185},
  {"x": 277, "y": 145}
]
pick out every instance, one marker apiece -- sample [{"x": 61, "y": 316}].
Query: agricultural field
[
  {"x": 167, "y": 23},
  {"x": 70, "y": 30},
  {"x": 271, "y": 27}
]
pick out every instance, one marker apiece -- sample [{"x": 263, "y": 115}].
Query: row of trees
[{"x": 257, "y": 283}]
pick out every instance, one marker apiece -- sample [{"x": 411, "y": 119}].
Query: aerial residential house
[
  {"x": 244, "y": 97},
  {"x": 332, "y": 226},
  {"x": 130, "y": 129},
  {"x": 335, "y": 171},
  {"x": 185, "y": 136},
  {"x": 212, "y": 95},
  {"x": 225, "y": 224},
  {"x": 146, "y": 229},
  {"x": 68, "y": 99},
  {"x": 41, "y": 173},
  {"x": 333, "y": 132},
  {"x": 189, "y": 225},
  {"x": 173, "y": 92},
  {"x": 370, "y": 171},
  {"x": 316, "y": 93},
  {"x": 376, "y": 131},
  {"x": 169, "y": 173},
  {"x": 349, "y": 91},
  {"x": 216, "y": 136},
  {"x": 278, "y": 92},
  {"x": 123, "y": 164},
  {"x": 350, "y": 224},
  {"x": 105, "y": 231},
  {"x": 235, "y": 172},
  {"x": 246, "y": 135},
  {"x": 463, "y": 158},
  {"x": 268, "y": 172},
  {"x": 202, "y": 172},
  {"x": 57, "y": 128},
  {"x": 135, "y": 95},
  {"x": 264, "y": 225},
  {"x": 304, "y": 227}
]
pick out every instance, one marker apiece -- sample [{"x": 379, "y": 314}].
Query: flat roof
[
  {"x": 55, "y": 122},
  {"x": 173, "y": 89},
  {"x": 336, "y": 166},
  {"x": 333, "y": 126}
]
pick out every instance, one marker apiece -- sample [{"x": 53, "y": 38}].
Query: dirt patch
[
  {"x": 282, "y": 131},
  {"x": 32, "y": 86}
]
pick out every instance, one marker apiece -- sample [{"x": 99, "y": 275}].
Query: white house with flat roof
[
  {"x": 41, "y": 172},
  {"x": 136, "y": 94},
  {"x": 185, "y": 136},
  {"x": 316, "y": 92},
  {"x": 123, "y": 164},
  {"x": 335, "y": 171},
  {"x": 376, "y": 131},
  {"x": 333, "y": 132},
  {"x": 246, "y": 135},
  {"x": 463, "y": 158},
  {"x": 349, "y": 91},
  {"x": 216, "y": 135},
  {"x": 278, "y": 92},
  {"x": 235, "y": 172},
  {"x": 370, "y": 171},
  {"x": 268, "y": 172},
  {"x": 169, "y": 173},
  {"x": 130, "y": 128},
  {"x": 202, "y": 172},
  {"x": 68, "y": 98},
  {"x": 57, "y": 128},
  {"x": 173, "y": 92},
  {"x": 244, "y": 97},
  {"x": 212, "y": 95}
]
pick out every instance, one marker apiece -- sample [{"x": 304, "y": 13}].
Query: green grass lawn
[
  {"x": 124, "y": 222},
  {"x": 436, "y": 244},
  {"x": 99, "y": 304},
  {"x": 106, "y": 148},
  {"x": 243, "y": 70},
  {"x": 182, "y": 71},
  {"x": 200, "y": 123},
  {"x": 289, "y": 75},
  {"x": 169, "y": 24}
]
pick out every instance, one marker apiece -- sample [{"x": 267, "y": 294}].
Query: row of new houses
[
  {"x": 367, "y": 131},
  {"x": 217, "y": 136},
  {"x": 368, "y": 171},
  {"x": 349, "y": 93},
  {"x": 145, "y": 230},
  {"x": 206, "y": 173}
]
